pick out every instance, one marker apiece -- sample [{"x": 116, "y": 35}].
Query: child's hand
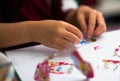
[
  {"x": 55, "y": 34},
  {"x": 90, "y": 21}
]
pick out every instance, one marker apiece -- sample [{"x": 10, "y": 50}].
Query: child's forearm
[{"x": 13, "y": 34}]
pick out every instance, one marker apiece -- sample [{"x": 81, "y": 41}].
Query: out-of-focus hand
[
  {"x": 55, "y": 34},
  {"x": 90, "y": 21}
]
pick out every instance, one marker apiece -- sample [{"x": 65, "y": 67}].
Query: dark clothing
[
  {"x": 10, "y": 10},
  {"x": 88, "y": 2},
  {"x": 41, "y": 9},
  {"x": 21, "y": 10}
]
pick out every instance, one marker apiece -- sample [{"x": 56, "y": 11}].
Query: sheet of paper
[{"x": 25, "y": 60}]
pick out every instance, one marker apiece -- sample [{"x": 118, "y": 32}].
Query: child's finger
[
  {"x": 99, "y": 30},
  {"x": 74, "y": 31},
  {"x": 101, "y": 26},
  {"x": 82, "y": 23},
  {"x": 64, "y": 43},
  {"x": 71, "y": 37},
  {"x": 91, "y": 24}
]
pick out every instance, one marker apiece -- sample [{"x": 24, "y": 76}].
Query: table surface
[{"x": 25, "y": 59}]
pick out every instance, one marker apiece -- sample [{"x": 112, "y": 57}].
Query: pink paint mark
[
  {"x": 97, "y": 47},
  {"x": 117, "y": 51},
  {"x": 42, "y": 72},
  {"x": 113, "y": 61}
]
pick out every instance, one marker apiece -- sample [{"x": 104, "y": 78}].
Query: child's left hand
[{"x": 90, "y": 21}]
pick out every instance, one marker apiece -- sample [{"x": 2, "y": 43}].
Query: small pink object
[
  {"x": 112, "y": 61},
  {"x": 82, "y": 65},
  {"x": 117, "y": 51},
  {"x": 42, "y": 72},
  {"x": 96, "y": 47}
]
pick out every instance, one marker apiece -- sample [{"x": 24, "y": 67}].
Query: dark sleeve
[
  {"x": 0, "y": 16},
  {"x": 57, "y": 12},
  {"x": 0, "y": 11},
  {"x": 41, "y": 9},
  {"x": 35, "y": 10},
  {"x": 88, "y": 2},
  {"x": 9, "y": 10}
]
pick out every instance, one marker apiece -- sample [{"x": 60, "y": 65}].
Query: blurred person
[{"x": 47, "y": 22}]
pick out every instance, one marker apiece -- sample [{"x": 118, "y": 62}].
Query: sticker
[{"x": 117, "y": 51}]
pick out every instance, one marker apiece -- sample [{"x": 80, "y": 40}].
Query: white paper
[{"x": 25, "y": 60}]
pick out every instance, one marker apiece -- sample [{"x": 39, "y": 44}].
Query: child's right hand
[{"x": 55, "y": 34}]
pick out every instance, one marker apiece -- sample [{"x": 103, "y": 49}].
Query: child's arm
[
  {"x": 12, "y": 34},
  {"x": 52, "y": 33}
]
